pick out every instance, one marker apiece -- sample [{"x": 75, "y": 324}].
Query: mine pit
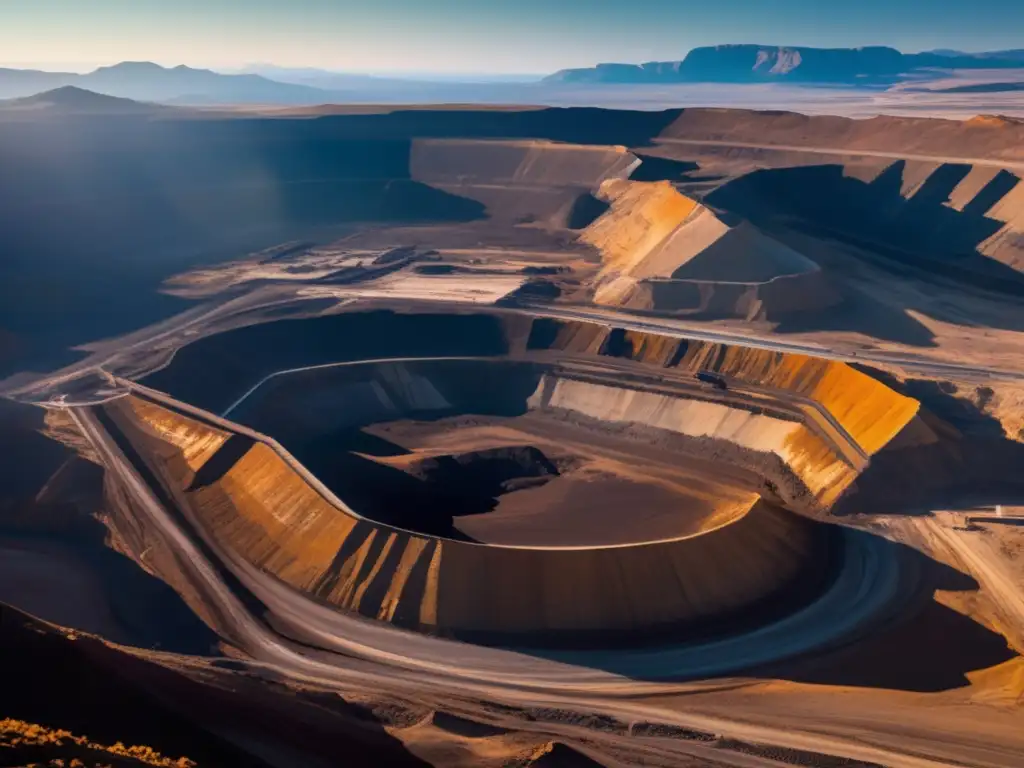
[{"x": 522, "y": 481}]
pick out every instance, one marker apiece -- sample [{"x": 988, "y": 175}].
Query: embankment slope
[{"x": 816, "y": 465}]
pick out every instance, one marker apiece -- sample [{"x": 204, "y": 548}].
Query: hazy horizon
[
  {"x": 82, "y": 68},
  {"x": 456, "y": 37}
]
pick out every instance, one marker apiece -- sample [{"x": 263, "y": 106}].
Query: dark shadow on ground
[
  {"x": 929, "y": 648},
  {"x": 361, "y": 441},
  {"x": 860, "y": 313},
  {"x": 431, "y": 493},
  {"x": 214, "y": 371},
  {"x": 393, "y": 497},
  {"x": 145, "y": 610},
  {"x": 617, "y": 344},
  {"x": 110, "y": 696},
  {"x": 95, "y": 221},
  {"x": 62, "y": 519},
  {"x": 218, "y": 465},
  {"x": 584, "y": 211},
  {"x": 919, "y": 232},
  {"x": 29, "y": 458},
  {"x": 578, "y": 125},
  {"x": 1013, "y": 522},
  {"x": 654, "y": 168},
  {"x": 97, "y": 212},
  {"x": 972, "y": 463},
  {"x": 565, "y": 756},
  {"x": 486, "y": 474}
]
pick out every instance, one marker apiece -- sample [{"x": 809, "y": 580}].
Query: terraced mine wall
[
  {"x": 869, "y": 411},
  {"x": 258, "y": 506},
  {"x": 252, "y": 503},
  {"x": 814, "y": 464},
  {"x": 751, "y": 301},
  {"x": 531, "y": 162},
  {"x": 95, "y": 177},
  {"x": 323, "y": 401},
  {"x": 964, "y": 221},
  {"x": 523, "y": 181}
]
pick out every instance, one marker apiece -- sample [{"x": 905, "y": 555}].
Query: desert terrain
[{"x": 511, "y": 437}]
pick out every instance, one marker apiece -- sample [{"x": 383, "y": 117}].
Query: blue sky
[{"x": 481, "y": 36}]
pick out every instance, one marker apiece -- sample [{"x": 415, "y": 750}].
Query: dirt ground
[{"x": 601, "y": 496}]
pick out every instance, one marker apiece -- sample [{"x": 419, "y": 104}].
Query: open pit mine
[
  {"x": 551, "y": 490},
  {"x": 537, "y": 438}
]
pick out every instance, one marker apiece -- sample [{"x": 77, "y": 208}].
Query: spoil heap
[{"x": 662, "y": 251}]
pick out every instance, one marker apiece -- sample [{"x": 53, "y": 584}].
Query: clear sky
[{"x": 481, "y": 36}]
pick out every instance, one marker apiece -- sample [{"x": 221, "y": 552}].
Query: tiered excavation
[{"x": 573, "y": 484}]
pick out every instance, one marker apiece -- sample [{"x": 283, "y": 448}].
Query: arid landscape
[{"x": 510, "y": 436}]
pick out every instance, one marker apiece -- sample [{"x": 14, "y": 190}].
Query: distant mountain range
[
  {"x": 270, "y": 85},
  {"x": 145, "y": 81},
  {"x": 151, "y": 82},
  {"x": 760, "y": 63}
]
